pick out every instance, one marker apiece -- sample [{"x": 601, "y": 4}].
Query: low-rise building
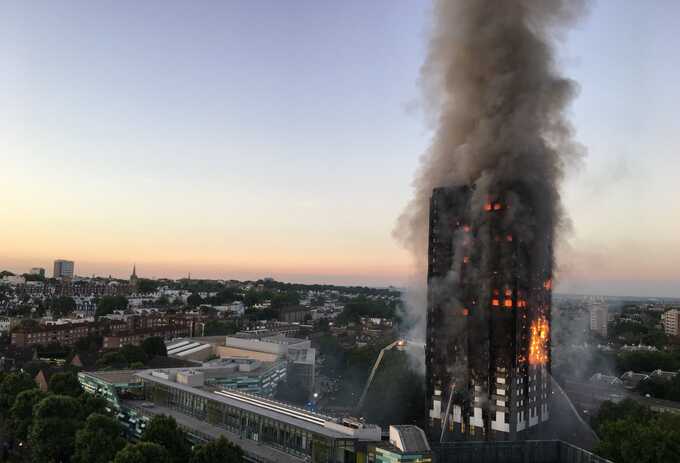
[
  {"x": 407, "y": 444},
  {"x": 136, "y": 337},
  {"x": 267, "y": 430},
  {"x": 295, "y": 313},
  {"x": 244, "y": 375},
  {"x": 605, "y": 379},
  {"x": 119, "y": 330},
  {"x": 300, "y": 355},
  {"x": 64, "y": 334},
  {"x": 14, "y": 280},
  {"x": 663, "y": 375},
  {"x": 6, "y": 324},
  {"x": 42, "y": 378},
  {"x": 638, "y": 348},
  {"x": 631, "y": 380},
  {"x": 297, "y": 354}
]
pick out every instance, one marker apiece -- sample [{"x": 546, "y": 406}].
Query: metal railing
[{"x": 548, "y": 451}]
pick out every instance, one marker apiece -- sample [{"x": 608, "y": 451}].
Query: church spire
[{"x": 134, "y": 271}]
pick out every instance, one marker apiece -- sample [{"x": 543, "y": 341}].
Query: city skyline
[{"x": 153, "y": 137}]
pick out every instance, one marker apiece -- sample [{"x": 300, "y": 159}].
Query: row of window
[{"x": 283, "y": 436}]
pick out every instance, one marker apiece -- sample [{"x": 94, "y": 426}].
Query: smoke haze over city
[{"x": 340, "y": 231}]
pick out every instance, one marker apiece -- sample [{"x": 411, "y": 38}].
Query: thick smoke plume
[{"x": 498, "y": 103}]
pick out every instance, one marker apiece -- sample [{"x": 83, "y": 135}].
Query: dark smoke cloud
[{"x": 497, "y": 102}]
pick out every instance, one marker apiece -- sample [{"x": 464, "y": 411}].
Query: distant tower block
[
  {"x": 63, "y": 269},
  {"x": 488, "y": 321},
  {"x": 599, "y": 315}
]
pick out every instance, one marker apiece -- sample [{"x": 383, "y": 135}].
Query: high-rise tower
[
  {"x": 63, "y": 269},
  {"x": 488, "y": 324}
]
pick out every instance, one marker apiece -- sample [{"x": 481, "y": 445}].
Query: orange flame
[{"x": 538, "y": 344}]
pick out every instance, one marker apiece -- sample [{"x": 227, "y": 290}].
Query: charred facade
[{"x": 488, "y": 323}]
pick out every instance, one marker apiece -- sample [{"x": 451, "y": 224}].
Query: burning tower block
[{"x": 488, "y": 324}]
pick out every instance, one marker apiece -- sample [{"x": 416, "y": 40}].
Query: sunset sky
[{"x": 245, "y": 139}]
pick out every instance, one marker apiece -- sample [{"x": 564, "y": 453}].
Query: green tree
[
  {"x": 134, "y": 354},
  {"x": 163, "y": 430},
  {"x": 220, "y": 328},
  {"x": 32, "y": 277},
  {"x": 99, "y": 440},
  {"x": 610, "y": 411},
  {"x": 361, "y": 306},
  {"x": 647, "y": 361},
  {"x": 65, "y": 383},
  {"x": 146, "y": 286},
  {"x": 285, "y": 299},
  {"x": 93, "y": 404},
  {"x": 11, "y": 385},
  {"x": 254, "y": 296},
  {"x": 225, "y": 296},
  {"x": 56, "y": 419},
  {"x": 194, "y": 300},
  {"x": 632, "y": 433},
  {"x": 91, "y": 343},
  {"x": 217, "y": 451},
  {"x": 661, "y": 388},
  {"x": 21, "y": 413},
  {"x": 633, "y": 441},
  {"x": 108, "y": 304},
  {"x": 154, "y": 346},
  {"x": 261, "y": 314},
  {"x": 143, "y": 452},
  {"x": 112, "y": 360},
  {"x": 62, "y": 306}
]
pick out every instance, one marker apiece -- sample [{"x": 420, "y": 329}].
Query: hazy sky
[{"x": 243, "y": 139}]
